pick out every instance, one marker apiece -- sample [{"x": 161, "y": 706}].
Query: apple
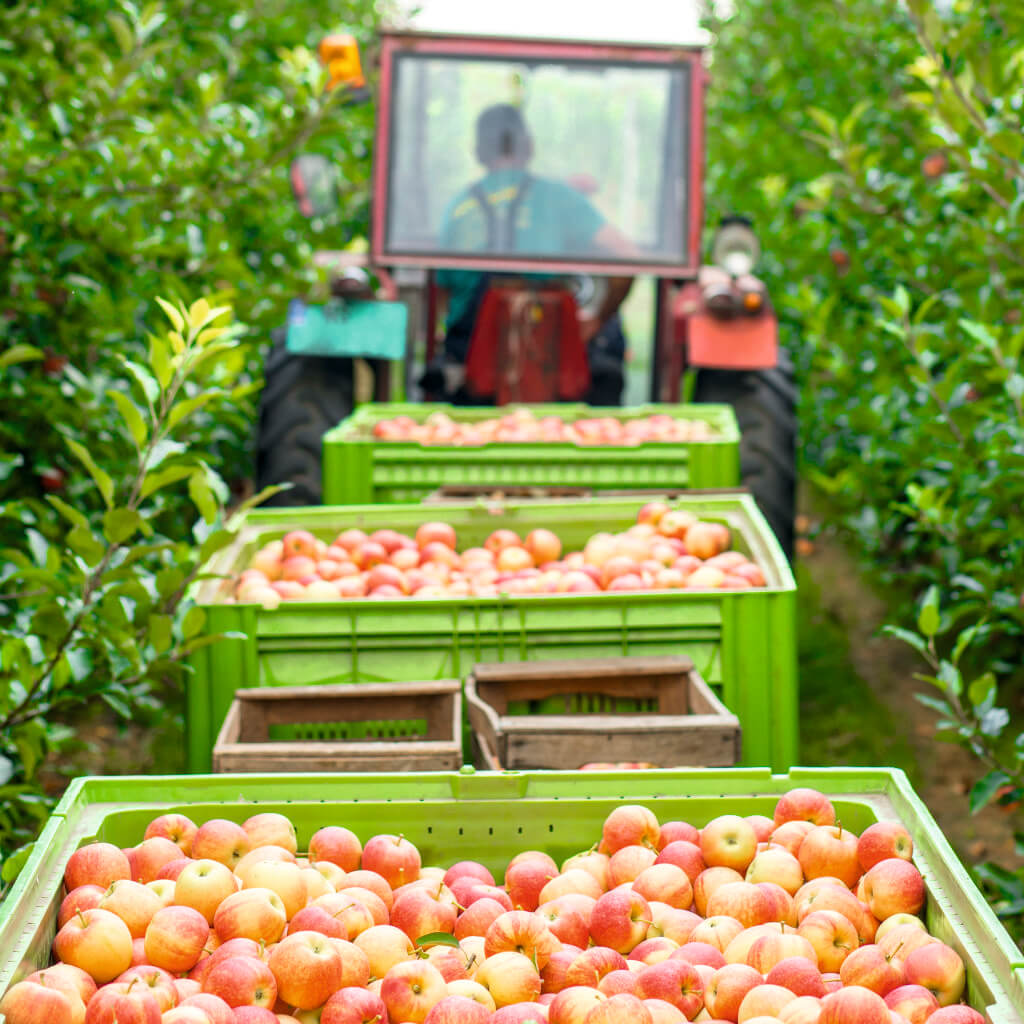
[
  {"x": 804, "y": 804},
  {"x": 882, "y": 840},
  {"x": 899, "y": 943},
  {"x": 354, "y": 1005},
  {"x": 895, "y": 921},
  {"x": 411, "y": 989},
  {"x": 203, "y": 885},
  {"x": 615, "y": 982},
  {"x": 790, "y": 834},
  {"x": 392, "y": 857},
  {"x": 175, "y": 938},
  {"x": 523, "y": 932},
  {"x": 27, "y": 1002},
  {"x": 799, "y": 974},
  {"x": 938, "y": 968},
  {"x": 467, "y": 869},
  {"x": 620, "y": 920},
  {"x": 355, "y": 963},
  {"x": 179, "y": 828},
  {"x": 216, "y": 1009},
  {"x": 258, "y": 854},
  {"x": 417, "y": 912},
  {"x": 726, "y": 988},
  {"x": 270, "y": 829},
  {"x": 830, "y": 850},
  {"x": 957, "y": 1014},
  {"x": 708, "y": 882},
  {"x": 99, "y": 864},
  {"x": 914, "y": 1002},
  {"x": 622, "y": 1008},
  {"x": 384, "y": 946},
  {"x": 653, "y": 950},
  {"x": 744, "y": 901},
  {"x": 73, "y": 981},
  {"x": 123, "y": 1003},
  {"x": 348, "y": 915},
  {"x": 133, "y": 903},
  {"x": 84, "y": 897},
  {"x": 159, "y": 982},
  {"x": 442, "y": 533},
  {"x": 520, "y": 1013},
  {"x": 307, "y": 968},
  {"x": 298, "y": 542},
  {"x": 98, "y": 942},
  {"x": 870, "y": 968},
  {"x": 893, "y": 886},
  {"x": 768, "y": 950},
  {"x": 776, "y": 864},
  {"x": 500, "y": 539},
  {"x": 803, "y": 1010},
  {"x": 256, "y": 914},
  {"x": 570, "y": 882},
  {"x": 626, "y": 864},
  {"x": 172, "y": 869},
  {"x": 698, "y": 953},
  {"x": 456, "y": 1009},
  {"x": 593, "y": 964},
  {"x": 572, "y": 1004},
  {"x": 781, "y": 906},
  {"x": 242, "y": 981},
  {"x": 718, "y": 931},
  {"x": 526, "y": 878},
  {"x": 369, "y": 880},
  {"x": 472, "y": 990},
  {"x": 739, "y": 949},
  {"x": 478, "y": 917},
  {"x": 282, "y": 877},
  {"x": 255, "y": 1015},
  {"x": 764, "y": 1001},
  {"x": 728, "y": 841},
  {"x": 628, "y": 825},
  {"x": 835, "y": 896},
  {"x": 565, "y": 922},
  {"x": 832, "y": 935},
  {"x": 543, "y": 545},
  {"x": 854, "y": 1005},
  {"x": 221, "y": 840}
]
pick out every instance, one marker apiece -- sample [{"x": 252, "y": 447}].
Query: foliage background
[
  {"x": 145, "y": 153},
  {"x": 879, "y": 150}
]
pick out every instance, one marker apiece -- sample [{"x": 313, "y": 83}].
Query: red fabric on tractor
[{"x": 527, "y": 347}]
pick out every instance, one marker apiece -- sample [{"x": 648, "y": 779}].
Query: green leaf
[
  {"x": 915, "y": 641},
  {"x": 6, "y": 770},
  {"x": 145, "y": 380},
  {"x": 83, "y": 543},
  {"x": 188, "y": 406},
  {"x": 38, "y": 546},
  {"x": 160, "y": 361},
  {"x": 949, "y": 677},
  {"x": 177, "y": 320},
  {"x": 122, "y": 33},
  {"x": 12, "y": 865},
  {"x": 163, "y": 477},
  {"x": 160, "y": 634},
  {"x": 437, "y": 939},
  {"x": 928, "y": 619},
  {"x": 116, "y": 704},
  {"x": 193, "y": 622},
  {"x": 131, "y": 415},
  {"x": 19, "y": 354},
  {"x": 119, "y": 524},
  {"x": 100, "y": 477},
  {"x": 200, "y": 490},
  {"x": 985, "y": 789},
  {"x": 982, "y": 691},
  {"x": 72, "y": 515}
]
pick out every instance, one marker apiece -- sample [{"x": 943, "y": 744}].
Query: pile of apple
[
  {"x": 787, "y": 919},
  {"x": 667, "y": 549},
  {"x": 523, "y": 425}
]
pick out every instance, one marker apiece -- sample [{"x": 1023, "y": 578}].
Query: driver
[{"x": 511, "y": 209}]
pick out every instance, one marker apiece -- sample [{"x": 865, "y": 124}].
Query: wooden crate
[
  {"x": 564, "y": 714},
  {"x": 350, "y": 727}
]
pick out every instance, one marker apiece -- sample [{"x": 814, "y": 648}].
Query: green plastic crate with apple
[
  {"x": 742, "y": 642},
  {"x": 489, "y": 817},
  {"x": 359, "y": 468}
]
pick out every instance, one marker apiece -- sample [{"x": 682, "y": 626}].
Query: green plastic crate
[
  {"x": 743, "y": 643},
  {"x": 490, "y": 816},
  {"x": 359, "y": 468}
]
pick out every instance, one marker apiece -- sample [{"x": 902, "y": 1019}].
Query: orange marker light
[{"x": 340, "y": 52}]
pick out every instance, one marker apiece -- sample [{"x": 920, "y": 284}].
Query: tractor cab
[{"x": 519, "y": 187}]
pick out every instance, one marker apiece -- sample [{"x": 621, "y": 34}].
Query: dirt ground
[{"x": 942, "y": 772}]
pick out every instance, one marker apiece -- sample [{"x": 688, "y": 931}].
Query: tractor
[{"x": 528, "y": 182}]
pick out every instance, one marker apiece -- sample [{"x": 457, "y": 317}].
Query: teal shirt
[{"x": 553, "y": 220}]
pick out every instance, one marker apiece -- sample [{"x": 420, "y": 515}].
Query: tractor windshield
[{"x": 516, "y": 162}]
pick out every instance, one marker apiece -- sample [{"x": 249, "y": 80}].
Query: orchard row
[{"x": 790, "y": 918}]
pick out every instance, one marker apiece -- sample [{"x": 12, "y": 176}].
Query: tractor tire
[
  {"x": 303, "y": 397},
  {"x": 765, "y": 405}
]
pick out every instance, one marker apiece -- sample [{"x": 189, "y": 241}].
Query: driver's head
[{"x": 502, "y": 137}]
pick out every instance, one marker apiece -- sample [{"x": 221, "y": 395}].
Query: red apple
[
  {"x": 622, "y": 1008},
  {"x": 727, "y": 987},
  {"x": 175, "y": 938},
  {"x": 256, "y": 914},
  {"x": 768, "y": 950},
  {"x": 353, "y": 1005},
  {"x": 620, "y": 920},
  {"x": 832, "y": 935},
  {"x": 776, "y": 864},
  {"x": 97, "y": 864},
  {"x": 630, "y": 824},
  {"x": 592, "y": 965},
  {"x": 653, "y": 950},
  {"x": 527, "y": 877},
  {"x": 893, "y": 886},
  {"x": 830, "y": 850},
  {"x": 523, "y": 932},
  {"x": 804, "y": 804},
  {"x": 221, "y": 840},
  {"x": 370, "y": 880},
  {"x": 708, "y": 882},
  {"x": 242, "y": 981},
  {"x": 790, "y": 834},
  {"x": 938, "y": 968},
  {"x": 744, "y": 901},
  {"x": 458, "y": 1010},
  {"x": 764, "y": 1001},
  {"x": 216, "y": 1009},
  {"x": 133, "y": 903},
  {"x": 914, "y": 1002},
  {"x": 565, "y": 922},
  {"x": 157, "y": 981},
  {"x": 179, "y": 828},
  {"x": 384, "y": 946},
  {"x": 510, "y": 978},
  {"x": 203, "y": 885},
  {"x": 307, "y": 968},
  {"x": 957, "y": 1014},
  {"x": 123, "y": 1003},
  {"x": 392, "y": 857},
  {"x": 799, "y": 974},
  {"x": 854, "y": 1005},
  {"x": 882, "y": 840},
  {"x": 571, "y": 1005},
  {"x": 27, "y": 1002},
  {"x": 270, "y": 829},
  {"x": 870, "y": 968}
]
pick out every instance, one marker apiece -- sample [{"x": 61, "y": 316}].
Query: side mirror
[{"x": 315, "y": 184}]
